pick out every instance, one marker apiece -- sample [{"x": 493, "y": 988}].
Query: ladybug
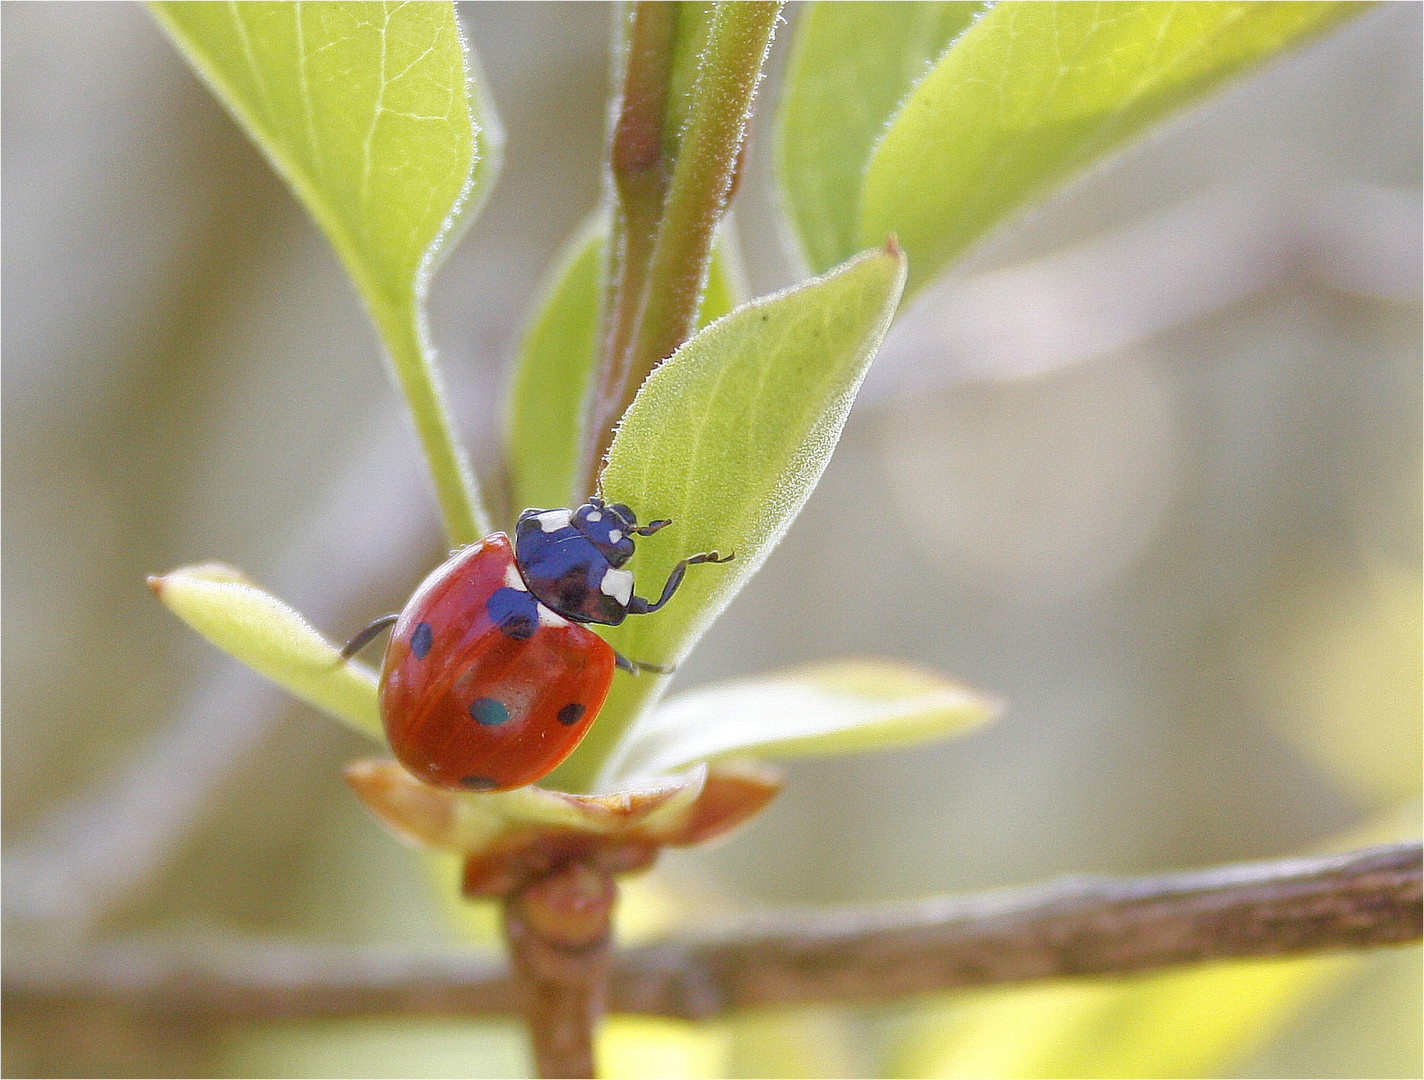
[{"x": 491, "y": 676}]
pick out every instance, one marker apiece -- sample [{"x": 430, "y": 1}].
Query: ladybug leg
[
  {"x": 361, "y": 640},
  {"x": 639, "y": 606},
  {"x": 652, "y": 527},
  {"x": 637, "y": 667}
]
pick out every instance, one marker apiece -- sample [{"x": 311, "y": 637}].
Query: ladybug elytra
[{"x": 491, "y": 676}]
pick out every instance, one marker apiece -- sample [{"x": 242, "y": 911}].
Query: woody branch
[{"x": 1081, "y": 927}]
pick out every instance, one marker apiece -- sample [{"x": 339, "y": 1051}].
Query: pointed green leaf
[
  {"x": 371, "y": 113},
  {"x": 272, "y": 639},
  {"x": 555, "y": 364},
  {"x": 1032, "y": 93},
  {"x": 727, "y": 438},
  {"x": 835, "y": 708},
  {"x": 850, "y": 68}
]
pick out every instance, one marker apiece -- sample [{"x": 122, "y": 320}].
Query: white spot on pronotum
[
  {"x": 593, "y": 515},
  {"x": 617, "y": 584},
  {"x": 614, "y": 535},
  {"x": 550, "y": 617},
  {"x": 512, "y": 580},
  {"x": 553, "y": 520}
]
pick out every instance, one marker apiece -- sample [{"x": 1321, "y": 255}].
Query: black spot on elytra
[
  {"x": 488, "y": 711},
  {"x": 571, "y": 714},
  {"x": 478, "y": 783},
  {"x": 514, "y": 611},
  {"x": 420, "y": 640}
]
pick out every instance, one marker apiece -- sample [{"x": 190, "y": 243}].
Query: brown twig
[
  {"x": 1358, "y": 900},
  {"x": 559, "y": 930},
  {"x": 1070, "y": 928}
]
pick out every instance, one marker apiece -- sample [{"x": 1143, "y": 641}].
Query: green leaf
[
  {"x": 555, "y": 366},
  {"x": 727, "y": 438},
  {"x": 272, "y": 639},
  {"x": 551, "y": 377},
  {"x": 372, "y": 116},
  {"x": 851, "y": 67},
  {"x": 726, "y": 287},
  {"x": 1032, "y": 93},
  {"x": 1195, "y": 1022},
  {"x": 835, "y": 708}
]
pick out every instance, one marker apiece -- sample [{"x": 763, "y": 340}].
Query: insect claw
[{"x": 637, "y": 667}]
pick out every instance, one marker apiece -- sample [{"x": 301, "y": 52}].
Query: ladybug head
[{"x": 610, "y": 527}]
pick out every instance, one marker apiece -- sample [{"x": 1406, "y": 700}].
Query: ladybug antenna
[
  {"x": 625, "y": 517},
  {"x": 621, "y": 511},
  {"x": 630, "y": 520}
]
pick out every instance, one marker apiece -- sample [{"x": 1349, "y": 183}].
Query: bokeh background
[{"x": 1147, "y": 467}]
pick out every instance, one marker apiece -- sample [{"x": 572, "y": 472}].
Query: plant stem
[
  {"x": 413, "y": 361},
  {"x": 668, "y": 207},
  {"x": 1070, "y": 929},
  {"x": 639, "y": 169},
  {"x": 705, "y": 176},
  {"x": 1107, "y": 927},
  {"x": 559, "y": 930}
]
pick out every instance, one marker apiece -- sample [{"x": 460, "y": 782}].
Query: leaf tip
[
  {"x": 735, "y": 792},
  {"x": 210, "y": 573},
  {"x": 416, "y": 812}
]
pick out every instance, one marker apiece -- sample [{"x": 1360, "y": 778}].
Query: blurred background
[{"x": 1147, "y": 467}]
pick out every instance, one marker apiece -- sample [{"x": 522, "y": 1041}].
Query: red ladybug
[{"x": 490, "y": 679}]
